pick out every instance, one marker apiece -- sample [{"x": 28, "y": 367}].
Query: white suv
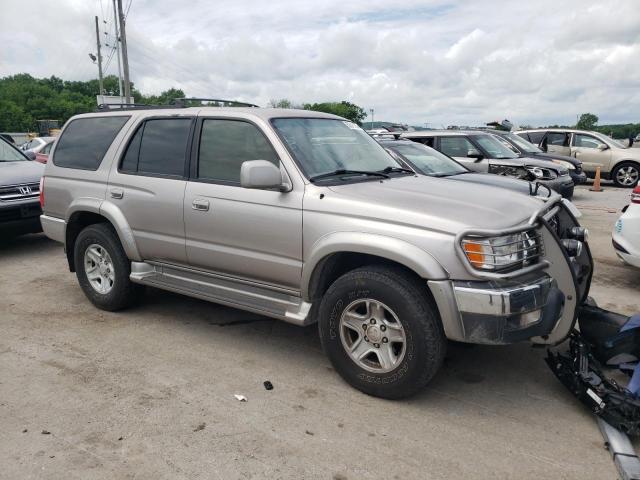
[{"x": 626, "y": 233}]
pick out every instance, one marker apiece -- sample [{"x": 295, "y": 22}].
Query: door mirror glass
[
  {"x": 260, "y": 174},
  {"x": 30, "y": 155},
  {"x": 602, "y": 146}
]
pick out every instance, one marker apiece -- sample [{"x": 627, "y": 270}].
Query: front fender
[{"x": 396, "y": 250}]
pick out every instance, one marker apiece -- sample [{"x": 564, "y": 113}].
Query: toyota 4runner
[{"x": 303, "y": 217}]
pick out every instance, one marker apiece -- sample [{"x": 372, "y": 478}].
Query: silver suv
[
  {"x": 616, "y": 160},
  {"x": 303, "y": 217}
]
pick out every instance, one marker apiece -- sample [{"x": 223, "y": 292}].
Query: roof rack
[
  {"x": 217, "y": 102},
  {"x": 177, "y": 103}
]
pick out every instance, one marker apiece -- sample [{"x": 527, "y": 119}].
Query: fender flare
[
  {"x": 112, "y": 213},
  {"x": 394, "y": 249}
]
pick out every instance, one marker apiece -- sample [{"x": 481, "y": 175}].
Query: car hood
[
  {"x": 529, "y": 161},
  {"x": 553, "y": 156},
  {"x": 440, "y": 204},
  {"x": 513, "y": 184},
  {"x": 23, "y": 171}
]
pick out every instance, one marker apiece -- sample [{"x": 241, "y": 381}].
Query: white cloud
[{"x": 418, "y": 61}]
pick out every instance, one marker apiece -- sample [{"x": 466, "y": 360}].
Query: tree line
[{"x": 25, "y": 99}]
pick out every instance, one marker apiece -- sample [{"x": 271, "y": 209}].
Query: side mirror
[
  {"x": 30, "y": 155},
  {"x": 602, "y": 146},
  {"x": 472, "y": 153},
  {"x": 261, "y": 174}
]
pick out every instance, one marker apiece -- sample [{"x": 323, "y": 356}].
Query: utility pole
[
  {"x": 371, "y": 110},
  {"x": 125, "y": 57},
  {"x": 117, "y": 30},
  {"x": 99, "y": 59}
]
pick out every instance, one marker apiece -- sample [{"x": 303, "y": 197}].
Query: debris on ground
[
  {"x": 309, "y": 432},
  {"x": 25, "y": 430},
  {"x": 268, "y": 385},
  {"x": 240, "y": 398},
  {"x": 200, "y": 427},
  {"x": 46, "y": 432}
]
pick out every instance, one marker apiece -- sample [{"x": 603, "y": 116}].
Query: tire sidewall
[
  {"x": 411, "y": 369},
  {"x": 614, "y": 174},
  {"x": 102, "y": 236}
]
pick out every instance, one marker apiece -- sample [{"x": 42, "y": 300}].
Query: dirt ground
[{"x": 149, "y": 393}]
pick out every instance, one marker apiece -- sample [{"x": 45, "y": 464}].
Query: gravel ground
[{"x": 149, "y": 393}]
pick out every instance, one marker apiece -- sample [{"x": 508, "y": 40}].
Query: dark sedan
[{"x": 527, "y": 149}]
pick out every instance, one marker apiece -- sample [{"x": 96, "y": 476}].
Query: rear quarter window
[{"x": 85, "y": 141}]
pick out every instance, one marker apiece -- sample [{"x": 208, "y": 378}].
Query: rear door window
[
  {"x": 456, "y": 146},
  {"x": 536, "y": 137},
  {"x": 159, "y": 147},
  {"x": 85, "y": 141},
  {"x": 558, "y": 138}
]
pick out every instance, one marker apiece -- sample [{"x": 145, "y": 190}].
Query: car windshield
[
  {"x": 609, "y": 140},
  {"x": 322, "y": 146},
  {"x": 426, "y": 160},
  {"x": 9, "y": 154},
  {"x": 522, "y": 143},
  {"x": 494, "y": 148}
]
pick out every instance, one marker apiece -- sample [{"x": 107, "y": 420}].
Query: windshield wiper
[
  {"x": 343, "y": 171},
  {"x": 396, "y": 169}
]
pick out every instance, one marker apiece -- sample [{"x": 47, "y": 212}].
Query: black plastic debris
[{"x": 268, "y": 385}]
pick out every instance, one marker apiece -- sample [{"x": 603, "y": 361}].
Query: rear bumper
[{"x": 53, "y": 227}]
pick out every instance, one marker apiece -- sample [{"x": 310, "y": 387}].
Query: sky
[{"x": 421, "y": 62}]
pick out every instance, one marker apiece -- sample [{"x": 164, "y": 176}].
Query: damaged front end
[{"x": 601, "y": 366}]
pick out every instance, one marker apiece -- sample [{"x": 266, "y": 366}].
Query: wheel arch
[{"x": 336, "y": 254}]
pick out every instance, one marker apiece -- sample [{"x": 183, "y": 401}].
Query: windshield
[
  {"x": 522, "y": 143},
  {"x": 609, "y": 140},
  {"x": 322, "y": 146},
  {"x": 9, "y": 154},
  {"x": 494, "y": 148},
  {"x": 427, "y": 160}
]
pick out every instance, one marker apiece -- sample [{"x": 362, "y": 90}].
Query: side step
[{"x": 245, "y": 295}]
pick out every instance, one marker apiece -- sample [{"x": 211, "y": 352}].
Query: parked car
[
  {"x": 616, "y": 160},
  {"x": 626, "y": 232},
  {"x": 525, "y": 148},
  {"x": 19, "y": 192},
  {"x": 428, "y": 161},
  {"x": 43, "y": 155},
  {"x": 36, "y": 144},
  {"x": 209, "y": 202},
  {"x": 482, "y": 152}
]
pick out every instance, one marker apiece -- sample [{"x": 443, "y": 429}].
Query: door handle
[
  {"x": 117, "y": 193},
  {"x": 200, "y": 205}
]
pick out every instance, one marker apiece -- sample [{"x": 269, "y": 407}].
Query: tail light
[
  {"x": 42, "y": 192},
  {"x": 635, "y": 195}
]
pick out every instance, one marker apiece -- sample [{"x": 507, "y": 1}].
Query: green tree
[
  {"x": 344, "y": 109},
  {"x": 587, "y": 121}
]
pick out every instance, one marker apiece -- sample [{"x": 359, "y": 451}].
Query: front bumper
[
  {"x": 20, "y": 218},
  {"x": 578, "y": 177},
  {"x": 563, "y": 185},
  {"x": 507, "y": 312}
]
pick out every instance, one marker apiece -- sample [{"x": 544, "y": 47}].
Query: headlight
[
  {"x": 508, "y": 252},
  {"x": 542, "y": 173},
  {"x": 509, "y": 171},
  {"x": 567, "y": 165}
]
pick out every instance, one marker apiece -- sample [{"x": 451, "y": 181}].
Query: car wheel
[
  {"x": 381, "y": 331},
  {"x": 626, "y": 174},
  {"x": 103, "y": 269}
]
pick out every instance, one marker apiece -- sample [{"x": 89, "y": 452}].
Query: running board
[{"x": 245, "y": 295}]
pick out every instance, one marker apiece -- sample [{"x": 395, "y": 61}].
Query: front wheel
[
  {"x": 381, "y": 332},
  {"x": 626, "y": 174}
]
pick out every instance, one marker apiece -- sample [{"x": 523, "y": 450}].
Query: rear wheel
[
  {"x": 381, "y": 331},
  {"x": 103, "y": 269},
  {"x": 626, "y": 174}
]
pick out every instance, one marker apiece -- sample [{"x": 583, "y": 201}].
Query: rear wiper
[
  {"x": 343, "y": 171},
  {"x": 396, "y": 169}
]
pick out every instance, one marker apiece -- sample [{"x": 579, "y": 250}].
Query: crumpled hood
[
  {"x": 532, "y": 162},
  {"x": 440, "y": 204},
  {"x": 24, "y": 171}
]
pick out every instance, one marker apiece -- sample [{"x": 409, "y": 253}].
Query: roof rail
[
  {"x": 133, "y": 106},
  {"x": 182, "y": 102}
]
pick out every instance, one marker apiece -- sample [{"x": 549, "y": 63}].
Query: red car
[{"x": 43, "y": 155}]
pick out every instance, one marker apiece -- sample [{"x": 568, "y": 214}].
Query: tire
[
  {"x": 626, "y": 174},
  {"x": 407, "y": 311},
  {"x": 118, "y": 291}
]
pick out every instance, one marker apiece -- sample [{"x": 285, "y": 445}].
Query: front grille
[{"x": 19, "y": 192}]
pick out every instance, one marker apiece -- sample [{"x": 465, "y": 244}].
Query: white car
[{"x": 626, "y": 232}]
